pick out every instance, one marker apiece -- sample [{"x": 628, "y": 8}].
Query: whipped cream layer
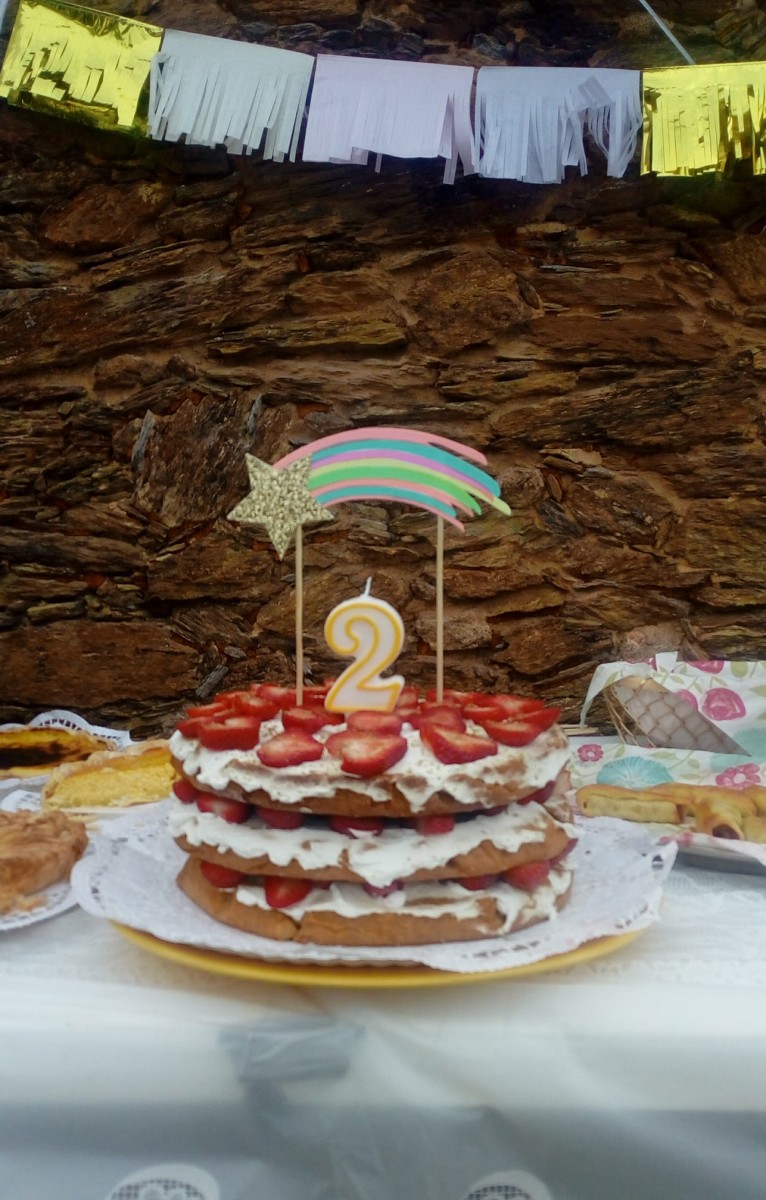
[
  {"x": 418, "y": 775},
  {"x": 395, "y": 853},
  {"x": 430, "y": 900}
]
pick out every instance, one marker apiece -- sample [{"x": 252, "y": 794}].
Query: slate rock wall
[{"x": 164, "y": 309}]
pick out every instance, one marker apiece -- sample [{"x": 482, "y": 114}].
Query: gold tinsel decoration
[
  {"x": 700, "y": 119},
  {"x": 79, "y": 63}
]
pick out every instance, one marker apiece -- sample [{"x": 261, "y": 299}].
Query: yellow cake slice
[{"x": 138, "y": 774}]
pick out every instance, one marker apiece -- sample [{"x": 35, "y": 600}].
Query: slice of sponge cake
[{"x": 137, "y": 774}]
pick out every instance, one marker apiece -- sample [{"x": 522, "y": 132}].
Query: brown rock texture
[{"x": 165, "y": 309}]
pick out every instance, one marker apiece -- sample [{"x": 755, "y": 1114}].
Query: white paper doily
[
  {"x": 62, "y": 718},
  {"x": 131, "y": 878},
  {"x": 21, "y": 800}
]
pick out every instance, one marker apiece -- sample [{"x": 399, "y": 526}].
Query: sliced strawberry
[
  {"x": 249, "y": 705},
  {"x": 545, "y": 717},
  {"x": 429, "y": 825},
  {"x": 281, "y": 892},
  {"x": 290, "y": 749},
  {"x": 481, "y": 711},
  {"x": 221, "y": 877},
  {"x": 233, "y": 733},
  {"x": 407, "y": 712},
  {"x": 516, "y": 706},
  {"x": 527, "y": 876},
  {"x": 512, "y": 733},
  {"x": 521, "y": 731},
  {"x": 372, "y": 890},
  {"x": 235, "y": 812},
  {"x": 229, "y": 699},
  {"x": 477, "y": 883},
  {"x": 451, "y": 746},
  {"x": 310, "y": 720},
  {"x": 315, "y": 693},
  {"x": 352, "y": 825},
  {"x": 185, "y": 791},
  {"x": 366, "y": 754},
  {"x": 283, "y": 696},
  {"x": 408, "y": 698},
  {"x": 213, "y": 710},
  {"x": 189, "y": 726},
  {"x": 445, "y": 715},
  {"x": 366, "y": 720},
  {"x": 540, "y": 796},
  {"x": 449, "y": 696},
  {"x": 279, "y": 819}
]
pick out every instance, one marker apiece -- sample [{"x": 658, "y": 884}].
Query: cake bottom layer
[{"x": 346, "y": 915}]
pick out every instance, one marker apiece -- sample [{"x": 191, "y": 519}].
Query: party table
[{"x": 634, "y": 1075}]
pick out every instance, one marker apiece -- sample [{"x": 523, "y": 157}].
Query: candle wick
[{"x": 367, "y": 586}]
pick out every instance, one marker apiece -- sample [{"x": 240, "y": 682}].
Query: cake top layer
[{"x": 480, "y": 770}]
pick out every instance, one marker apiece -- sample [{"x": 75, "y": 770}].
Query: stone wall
[{"x": 165, "y": 309}]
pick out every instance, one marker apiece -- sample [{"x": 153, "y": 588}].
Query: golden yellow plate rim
[{"x": 236, "y": 966}]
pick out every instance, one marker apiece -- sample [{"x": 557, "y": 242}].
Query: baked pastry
[
  {"x": 137, "y": 774},
  {"x": 436, "y": 822},
  {"x": 26, "y": 751},
  {"x": 36, "y": 850},
  {"x": 608, "y": 800}
]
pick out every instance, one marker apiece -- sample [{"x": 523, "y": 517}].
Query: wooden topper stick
[
  {"x": 439, "y": 609},
  {"x": 298, "y": 615}
]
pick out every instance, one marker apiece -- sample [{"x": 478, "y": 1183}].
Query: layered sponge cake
[{"x": 439, "y": 821}]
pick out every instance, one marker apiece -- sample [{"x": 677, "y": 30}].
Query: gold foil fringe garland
[
  {"x": 80, "y": 63},
  {"x": 700, "y": 120}
]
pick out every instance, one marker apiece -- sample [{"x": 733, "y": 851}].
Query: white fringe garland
[
  {"x": 530, "y": 121},
  {"x": 406, "y": 109},
  {"x": 214, "y": 92}
]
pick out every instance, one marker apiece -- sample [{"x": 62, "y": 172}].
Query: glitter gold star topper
[{"x": 280, "y": 500}]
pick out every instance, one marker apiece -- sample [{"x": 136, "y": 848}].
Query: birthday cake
[
  {"x": 361, "y": 813},
  {"x": 433, "y": 822}
]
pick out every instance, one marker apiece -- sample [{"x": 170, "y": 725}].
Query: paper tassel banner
[
  {"x": 697, "y": 118},
  {"x": 409, "y": 110},
  {"x": 531, "y": 121},
  {"x": 212, "y": 92},
  {"x": 79, "y": 63}
]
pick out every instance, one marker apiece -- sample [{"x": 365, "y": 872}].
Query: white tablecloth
[{"x": 635, "y": 1076}]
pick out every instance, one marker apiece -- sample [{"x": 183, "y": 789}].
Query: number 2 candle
[{"x": 371, "y": 632}]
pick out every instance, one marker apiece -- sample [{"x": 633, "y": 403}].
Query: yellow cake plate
[{"x": 361, "y": 976}]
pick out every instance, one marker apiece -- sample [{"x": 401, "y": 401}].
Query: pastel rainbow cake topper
[
  {"x": 424, "y": 470},
  {"x": 405, "y": 466}
]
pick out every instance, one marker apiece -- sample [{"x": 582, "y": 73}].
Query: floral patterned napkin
[{"x": 612, "y": 761}]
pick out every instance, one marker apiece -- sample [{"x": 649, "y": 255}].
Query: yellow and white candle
[{"x": 371, "y": 632}]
